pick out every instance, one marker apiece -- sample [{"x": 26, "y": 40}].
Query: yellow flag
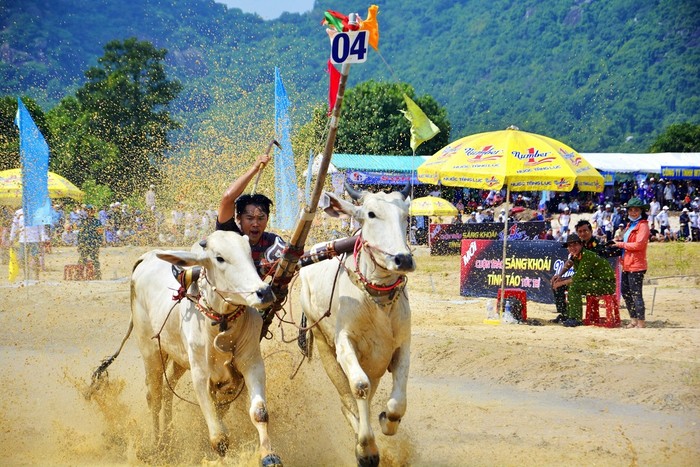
[
  {"x": 422, "y": 128},
  {"x": 13, "y": 268}
]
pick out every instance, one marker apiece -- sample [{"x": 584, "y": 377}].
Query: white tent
[{"x": 642, "y": 163}]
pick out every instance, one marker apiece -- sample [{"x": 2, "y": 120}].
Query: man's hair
[
  {"x": 583, "y": 222},
  {"x": 262, "y": 201}
]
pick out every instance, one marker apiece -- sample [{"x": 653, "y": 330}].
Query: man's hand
[
  {"x": 262, "y": 160},
  {"x": 555, "y": 278}
]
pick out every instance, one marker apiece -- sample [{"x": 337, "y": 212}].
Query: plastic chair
[{"x": 612, "y": 311}]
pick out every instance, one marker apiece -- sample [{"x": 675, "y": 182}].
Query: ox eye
[
  {"x": 371, "y": 215},
  {"x": 220, "y": 259}
]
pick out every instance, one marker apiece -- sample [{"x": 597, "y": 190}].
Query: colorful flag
[
  {"x": 338, "y": 20},
  {"x": 422, "y": 128},
  {"x": 370, "y": 25},
  {"x": 286, "y": 189},
  {"x": 333, "y": 85},
  {"x": 13, "y": 269},
  {"x": 34, "y": 156}
]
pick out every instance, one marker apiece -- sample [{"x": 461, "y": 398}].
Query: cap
[
  {"x": 637, "y": 203},
  {"x": 89, "y": 207},
  {"x": 685, "y": 210},
  {"x": 573, "y": 238},
  {"x": 479, "y": 208},
  {"x": 608, "y": 206},
  {"x": 503, "y": 210},
  {"x": 665, "y": 208},
  {"x": 651, "y": 179},
  {"x": 567, "y": 209}
]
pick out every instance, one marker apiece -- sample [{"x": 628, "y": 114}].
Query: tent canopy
[
  {"x": 609, "y": 162},
  {"x": 643, "y": 163}
]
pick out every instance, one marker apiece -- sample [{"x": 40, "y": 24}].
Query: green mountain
[{"x": 599, "y": 75}]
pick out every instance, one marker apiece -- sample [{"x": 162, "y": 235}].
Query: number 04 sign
[{"x": 349, "y": 47}]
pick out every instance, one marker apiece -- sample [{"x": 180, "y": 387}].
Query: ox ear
[
  {"x": 336, "y": 207},
  {"x": 180, "y": 258}
]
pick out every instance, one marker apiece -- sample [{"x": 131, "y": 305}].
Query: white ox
[
  {"x": 368, "y": 331},
  {"x": 190, "y": 337}
]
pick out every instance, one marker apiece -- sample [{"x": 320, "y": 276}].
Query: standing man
[
  {"x": 662, "y": 219},
  {"x": 151, "y": 198},
  {"x": 89, "y": 240}
]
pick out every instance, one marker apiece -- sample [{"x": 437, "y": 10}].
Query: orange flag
[{"x": 370, "y": 25}]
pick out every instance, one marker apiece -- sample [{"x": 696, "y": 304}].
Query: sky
[{"x": 270, "y": 9}]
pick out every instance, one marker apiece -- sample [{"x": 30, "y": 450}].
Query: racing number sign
[{"x": 349, "y": 47}]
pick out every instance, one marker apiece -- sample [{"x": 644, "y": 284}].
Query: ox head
[
  {"x": 384, "y": 220},
  {"x": 229, "y": 269}
]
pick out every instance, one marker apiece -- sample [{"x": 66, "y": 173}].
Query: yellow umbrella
[
  {"x": 432, "y": 206},
  {"x": 519, "y": 160},
  {"x": 11, "y": 187}
]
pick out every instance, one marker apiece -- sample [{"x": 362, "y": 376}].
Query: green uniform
[{"x": 593, "y": 275}]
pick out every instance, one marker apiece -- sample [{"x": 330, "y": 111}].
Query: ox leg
[
  {"x": 154, "y": 388},
  {"x": 396, "y": 405},
  {"x": 218, "y": 435},
  {"x": 253, "y": 372},
  {"x": 366, "y": 450},
  {"x": 339, "y": 380},
  {"x": 173, "y": 377}
]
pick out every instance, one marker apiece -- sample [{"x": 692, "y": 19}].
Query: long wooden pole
[{"x": 295, "y": 247}]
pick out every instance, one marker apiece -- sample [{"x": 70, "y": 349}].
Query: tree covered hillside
[{"x": 600, "y": 75}]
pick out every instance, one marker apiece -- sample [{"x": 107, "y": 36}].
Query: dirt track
[{"x": 478, "y": 394}]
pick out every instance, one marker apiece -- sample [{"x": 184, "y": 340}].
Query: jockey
[{"x": 251, "y": 215}]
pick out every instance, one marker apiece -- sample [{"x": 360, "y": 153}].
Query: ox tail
[{"x": 100, "y": 375}]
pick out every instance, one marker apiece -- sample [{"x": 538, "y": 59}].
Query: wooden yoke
[{"x": 294, "y": 248}]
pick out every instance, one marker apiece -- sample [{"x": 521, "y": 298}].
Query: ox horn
[
  {"x": 406, "y": 190},
  {"x": 354, "y": 194}
]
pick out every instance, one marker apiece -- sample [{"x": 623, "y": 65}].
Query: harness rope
[{"x": 216, "y": 318}]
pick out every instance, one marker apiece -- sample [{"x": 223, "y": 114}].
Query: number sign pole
[{"x": 286, "y": 268}]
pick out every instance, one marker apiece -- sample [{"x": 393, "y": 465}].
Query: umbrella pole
[{"x": 503, "y": 263}]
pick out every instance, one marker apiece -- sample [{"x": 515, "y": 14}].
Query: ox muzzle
[
  {"x": 403, "y": 262},
  {"x": 265, "y": 295}
]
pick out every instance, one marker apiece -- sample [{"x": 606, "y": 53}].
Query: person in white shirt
[
  {"x": 662, "y": 219},
  {"x": 597, "y": 218},
  {"x": 151, "y": 198},
  {"x": 30, "y": 239},
  {"x": 479, "y": 215},
  {"x": 565, "y": 220},
  {"x": 654, "y": 210}
]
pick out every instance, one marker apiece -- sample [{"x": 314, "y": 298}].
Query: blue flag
[
  {"x": 286, "y": 189},
  {"x": 34, "y": 157}
]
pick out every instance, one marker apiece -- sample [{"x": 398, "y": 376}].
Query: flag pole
[
  {"x": 294, "y": 248},
  {"x": 503, "y": 265}
]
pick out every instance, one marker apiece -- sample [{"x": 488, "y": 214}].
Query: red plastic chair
[{"x": 612, "y": 311}]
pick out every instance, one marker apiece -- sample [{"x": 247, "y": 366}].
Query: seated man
[
  {"x": 584, "y": 230},
  {"x": 593, "y": 275}
]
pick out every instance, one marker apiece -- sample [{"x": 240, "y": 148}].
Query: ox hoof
[
  {"x": 220, "y": 445},
  {"x": 271, "y": 460},
  {"x": 368, "y": 461},
  {"x": 389, "y": 427}
]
